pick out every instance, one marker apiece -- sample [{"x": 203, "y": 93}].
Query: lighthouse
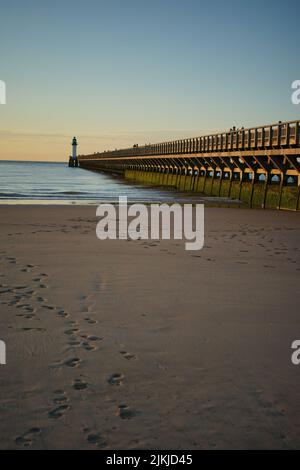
[{"x": 73, "y": 161}]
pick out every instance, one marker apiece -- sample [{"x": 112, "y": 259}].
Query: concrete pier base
[
  {"x": 73, "y": 162},
  {"x": 250, "y": 190}
]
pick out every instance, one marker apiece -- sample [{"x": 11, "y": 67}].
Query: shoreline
[
  {"x": 207, "y": 204},
  {"x": 87, "y": 203}
]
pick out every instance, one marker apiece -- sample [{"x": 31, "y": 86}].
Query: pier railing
[{"x": 274, "y": 136}]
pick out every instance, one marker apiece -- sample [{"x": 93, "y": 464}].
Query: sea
[{"x": 56, "y": 183}]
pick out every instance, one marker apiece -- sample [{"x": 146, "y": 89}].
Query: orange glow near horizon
[{"x": 55, "y": 147}]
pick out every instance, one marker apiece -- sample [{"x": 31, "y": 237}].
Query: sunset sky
[{"x": 117, "y": 72}]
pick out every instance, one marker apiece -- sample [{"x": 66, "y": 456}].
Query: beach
[{"x": 123, "y": 344}]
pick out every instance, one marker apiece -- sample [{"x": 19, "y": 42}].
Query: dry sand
[{"x": 122, "y": 344}]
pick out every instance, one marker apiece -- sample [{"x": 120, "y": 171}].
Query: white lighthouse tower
[{"x": 73, "y": 161}]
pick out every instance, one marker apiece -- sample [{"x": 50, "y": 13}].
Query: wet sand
[{"x": 141, "y": 344}]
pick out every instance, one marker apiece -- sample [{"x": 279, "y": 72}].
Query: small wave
[
  {"x": 42, "y": 195},
  {"x": 71, "y": 192},
  {"x": 11, "y": 195}
]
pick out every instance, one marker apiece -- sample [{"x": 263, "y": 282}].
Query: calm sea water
[{"x": 24, "y": 182}]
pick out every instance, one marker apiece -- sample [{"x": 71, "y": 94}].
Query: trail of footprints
[
  {"x": 62, "y": 228},
  {"x": 243, "y": 236},
  {"x": 22, "y": 297},
  {"x": 246, "y": 238}
]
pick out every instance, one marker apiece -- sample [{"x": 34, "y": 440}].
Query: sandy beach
[{"x": 143, "y": 345}]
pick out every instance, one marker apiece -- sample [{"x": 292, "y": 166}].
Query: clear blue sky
[{"x": 116, "y": 72}]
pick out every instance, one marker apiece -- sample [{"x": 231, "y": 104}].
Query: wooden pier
[{"x": 259, "y": 166}]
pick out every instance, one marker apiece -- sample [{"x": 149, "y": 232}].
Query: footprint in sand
[
  {"x": 96, "y": 439},
  {"x": 27, "y": 316},
  {"x": 32, "y": 329},
  {"x": 125, "y": 412},
  {"x": 87, "y": 346},
  {"x": 5, "y": 291},
  {"x": 116, "y": 379},
  {"x": 27, "y": 438},
  {"x": 128, "y": 355},
  {"x": 90, "y": 320},
  {"x": 29, "y": 292},
  {"x": 48, "y": 307},
  {"x": 88, "y": 340},
  {"x": 79, "y": 384},
  {"x": 61, "y": 401},
  {"x": 62, "y": 313},
  {"x": 94, "y": 338},
  {"x": 71, "y": 331},
  {"x": 73, "y": 362},
  {"x": 58, "y": 412}
]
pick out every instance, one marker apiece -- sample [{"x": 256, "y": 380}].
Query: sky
[{"x": 119, "y": 72}]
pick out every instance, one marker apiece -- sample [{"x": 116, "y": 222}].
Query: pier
[{"x": 259, "y": 166}]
